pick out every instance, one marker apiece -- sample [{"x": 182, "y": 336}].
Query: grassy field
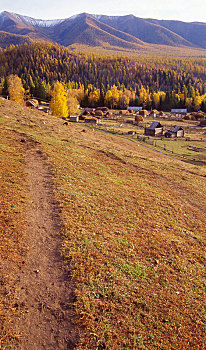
[
  {"x": 150, "y": 50},
  {"x": 191, "y": 148},
  {"x": 133, "y": 233}
]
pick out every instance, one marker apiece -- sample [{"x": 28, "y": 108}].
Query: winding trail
[{"x": 44, "y": 291}]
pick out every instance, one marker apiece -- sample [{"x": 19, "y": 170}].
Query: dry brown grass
[
  {"x": 134, "y": 235},
  {"x": 12, "y": 224}
]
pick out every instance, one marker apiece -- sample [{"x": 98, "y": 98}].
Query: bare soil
[{"x": 44, "y": 291}]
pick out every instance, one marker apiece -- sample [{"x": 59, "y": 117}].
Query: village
[{"x": 178, "y": 132}]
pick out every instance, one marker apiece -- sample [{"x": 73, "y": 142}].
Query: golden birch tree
[
  {"x": 72, "y": 104},
  {"x": 15, "y": 88},
  {"x": 58, "y": 102}
]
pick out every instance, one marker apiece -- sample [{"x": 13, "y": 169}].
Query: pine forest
[{"x": 116, "y": 81}]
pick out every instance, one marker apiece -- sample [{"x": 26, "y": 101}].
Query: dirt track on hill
[{"x": 44, "y": 292}]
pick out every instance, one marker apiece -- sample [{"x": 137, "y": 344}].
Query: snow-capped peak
[
  {"x": 98, "y": 17},
  {"x": 37, "y": 22}
]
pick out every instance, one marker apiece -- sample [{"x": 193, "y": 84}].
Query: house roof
[
  {"x": 176, "y": 128},
  {"x": 179, "y": 110},
  {"x": 155, "y": 125}
]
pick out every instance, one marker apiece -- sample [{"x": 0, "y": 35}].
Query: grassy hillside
[
  {"x": 6, "y": 39},
  {"x": 133, "y": 233}
]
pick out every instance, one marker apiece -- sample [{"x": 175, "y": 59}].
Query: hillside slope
[
  {"x": 47, "y": 62},
  {"x": 193, "y": 32},
  {"x": 85, "y": 29},
  {"x": 133, "y": 234},
  {"x": 13, "y": 39},
  {"x": 153, "y": 33}
]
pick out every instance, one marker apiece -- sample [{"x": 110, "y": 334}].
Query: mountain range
[{"x": 122, "y": 32}]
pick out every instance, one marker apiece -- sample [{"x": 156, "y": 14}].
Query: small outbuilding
[
  {"x": 87, "y": 111},
  {"x": 91, "y": 120},
  {"x": 177, "y": 131},
  {"x": 134, "y": 108},
  {"x": 179, "y": 111},
  {"x": 32, "y": 103},
  {"x": 155, "y": 129},
  {"x": 74, "y": 118}
]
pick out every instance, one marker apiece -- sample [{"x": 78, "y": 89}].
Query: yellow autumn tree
[
  {"x": 143, "y": 95},
  {"x": 197, "y": 102},
  {"x": 124, "y": 98},
  {"x": 15, "y": 88},
  {"x": 72, "y": 104},
  {"x": 115, "y": 95},
  {"x": 112, "y": 96},
  {"x": 94, "y": 97},
  {"x": 108, "y": 98},
  {"x": 58, "y": 102},
  {"x": 156, "y": 99}
]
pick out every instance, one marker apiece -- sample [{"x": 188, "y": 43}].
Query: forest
[{"x": 116, "y": 81}]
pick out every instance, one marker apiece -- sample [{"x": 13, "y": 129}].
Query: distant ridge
[{"x": 126, "y": 32}]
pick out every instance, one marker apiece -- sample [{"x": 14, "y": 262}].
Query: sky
[{"x": 183, "y": 10}]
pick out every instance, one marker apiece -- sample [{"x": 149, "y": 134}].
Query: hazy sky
[{"x": 185, "y": 10}]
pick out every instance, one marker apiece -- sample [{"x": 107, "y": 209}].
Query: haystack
[
  {"x": 99, "y": 113},
  {"x": 203, "y": 122},
  {"x": 124, "y": 112},
  {"x": 143, "y": 112},
  {"x": 130, "y": 110},
  {"x": 198, "y": 115},
  {"x": 103, "y": 109},
  {"x": 139, "y": 118}
]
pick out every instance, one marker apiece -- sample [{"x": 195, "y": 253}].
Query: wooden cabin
[
  {"x": 177, "y": 111},
  {"x": 155, "y": 129},
  {"x": 177, "y": 131}
]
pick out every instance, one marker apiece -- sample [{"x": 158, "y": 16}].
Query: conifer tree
[{"x": 58, "y": 102}]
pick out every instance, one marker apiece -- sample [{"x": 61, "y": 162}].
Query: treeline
[{"x": 115, "y": 81}]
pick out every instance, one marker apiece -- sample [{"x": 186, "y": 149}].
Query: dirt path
[{"x": 44, "y": 293}]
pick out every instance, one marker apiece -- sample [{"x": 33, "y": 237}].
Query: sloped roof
[
  {"x": 155, "y": 125},
  {"x": 176, "y": 128}
]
